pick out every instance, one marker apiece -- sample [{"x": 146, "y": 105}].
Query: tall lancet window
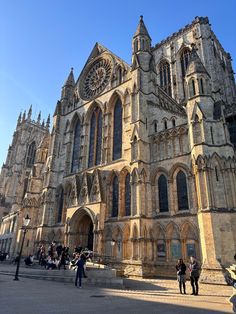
[
  {"x": 76, "y": 147},
  {"x": 31, "y": 154},
  {"x": 182, "y": 190},
  {"x": 163, "y": 194},
  {"x": 117, "y": 131},
  {"x": 115, "y": 197},
  {"x": 60, "y": 205},
  {"x": 184, "y": 59},
  {"x": 165, "y": 80},
  {"x": 127, "y": 195},
  {"x": 95, "y": 142}
]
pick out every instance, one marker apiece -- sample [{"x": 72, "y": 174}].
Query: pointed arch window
[
  {"x": 127, "y": 195},
  {"x": 184, "y": 60},
  {"x": 31, "y": 154},
  {"x": 192, "y": 91},
  {"x": 60, "y": 205},
  {"x": 117, "y": 131},
  {"x": 165, "y": 80},
  {"x": 115, "y": 197},
  {"x": 95, "y": 142},
  {"x": 76, "y": 147},
  {"x": 201, "y": 86},
  {"x": 182, "y": 191},
  {"x": 163, "y": 193}
]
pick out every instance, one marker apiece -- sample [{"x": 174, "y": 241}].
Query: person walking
[
  {"x": 79, "y": 272},
  {"x": 194, "y": 275},
  {"x": 181, "y": 270}
]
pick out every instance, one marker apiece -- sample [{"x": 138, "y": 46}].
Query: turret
[
  {"x": 68, "y": 87},
  {"x": 141, "y": 47},
  {"x": 198, "y": 87}
]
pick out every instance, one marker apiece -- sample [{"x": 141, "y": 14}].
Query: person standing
[
  {"x": 181, "y": 270},
  {"x": 194, "y": 275},
  {"x": 62, "y": 260},
  {"x": 79, "y": 272}
]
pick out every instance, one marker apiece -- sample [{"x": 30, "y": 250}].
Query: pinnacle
[
  {"x": 70, "y": 80},
  {"x": 141, "y": 29}
]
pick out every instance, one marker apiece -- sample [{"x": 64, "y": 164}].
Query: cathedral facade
[{"x": 140, "y": 163}]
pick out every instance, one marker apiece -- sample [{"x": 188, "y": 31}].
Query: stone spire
[
  {"x": 29, "y": 113},
  {"x": 43, "y": 123},
  {"x": 48, "y": 122},
  {"x": 39, "y": 117},
  {"x": 141, "y": 47},
  {"x": 141, "y": 29}
]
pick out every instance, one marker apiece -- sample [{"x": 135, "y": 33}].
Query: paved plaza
[{"x": 141, "y": 296}]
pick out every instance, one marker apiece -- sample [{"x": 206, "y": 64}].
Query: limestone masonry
[{"x": 140, "y": 163}]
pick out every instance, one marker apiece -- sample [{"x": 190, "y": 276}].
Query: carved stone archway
[{"x": 81, "y": 229}]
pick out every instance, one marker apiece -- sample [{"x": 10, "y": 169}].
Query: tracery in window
[{"x": 31, "y": 154}]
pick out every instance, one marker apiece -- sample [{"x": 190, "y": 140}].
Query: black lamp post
[{"x": 26, "y": 222}]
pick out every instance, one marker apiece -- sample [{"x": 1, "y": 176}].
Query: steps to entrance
[{"x": 99, "y": 275}]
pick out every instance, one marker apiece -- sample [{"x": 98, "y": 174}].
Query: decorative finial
[
  {"x": 24, "y": 116},
  {"x": 29, "y": 113},
  {"x": 72, "y": 69},
  {"x": 48, "y": 122},
  {"x": 141, "y": 17},
  {"x": 19, "y": 119},
  {"x": 43, "y": 123},
  {"x": 39, "y": 117}
]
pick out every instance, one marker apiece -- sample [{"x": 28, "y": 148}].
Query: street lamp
[{"x": 26, "y": 222}]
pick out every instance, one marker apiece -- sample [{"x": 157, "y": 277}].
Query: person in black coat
[
  {"x": 194, "y": 269},
  {"x": 181, "y": 271},
  {"x": 79, "y": 272}
]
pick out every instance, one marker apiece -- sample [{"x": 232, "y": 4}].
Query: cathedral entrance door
[{"x": 81, "y": 231}]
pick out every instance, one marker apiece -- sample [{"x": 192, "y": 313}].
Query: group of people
[
  {"x": 194, "y": 271},
  {"x": 57, "y": 256}
]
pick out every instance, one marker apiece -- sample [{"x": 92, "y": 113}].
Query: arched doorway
[{"x": 81, "y": 229}]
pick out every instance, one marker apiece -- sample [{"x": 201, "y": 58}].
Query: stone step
[{"x": 100, "y": 277}]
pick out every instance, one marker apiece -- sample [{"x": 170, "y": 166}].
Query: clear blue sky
[{"x": 40, "y": 40}]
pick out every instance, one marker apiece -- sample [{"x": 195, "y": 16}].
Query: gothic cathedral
[{"x": 140, "y": 163}]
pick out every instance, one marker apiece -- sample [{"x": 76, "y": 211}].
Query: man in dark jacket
[
  {"x": 194, "y": 274},
  {"x": 79, "y": 272}
]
